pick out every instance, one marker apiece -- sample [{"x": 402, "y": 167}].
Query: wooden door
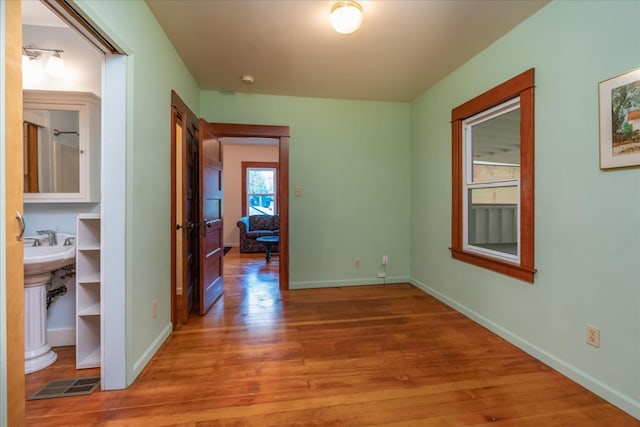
[
  {"x": 184, "y": 209},
  {"x": 211, "y": 246},
  {"x": 190, "y": 241},
  {"x": 12, "y": 304}
]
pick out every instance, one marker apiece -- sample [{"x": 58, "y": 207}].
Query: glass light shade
[
  {"x": 55, "y": 65},
  {"x": 346, "y": 16},
  {"x": 31, "y": 71}
]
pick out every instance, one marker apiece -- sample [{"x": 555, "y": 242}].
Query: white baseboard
[
  {"x": 354, "y": 282},
  {"x": 61, "y": 337},
  {"x": 615, "y": 397},
  {"x": 139, "y": 365}
]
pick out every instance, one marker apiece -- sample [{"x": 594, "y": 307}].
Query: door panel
[
  {"x": 190, "y": 248},
  {"x": 12, "y": 303},
  {"x": 210, "y": 185}
]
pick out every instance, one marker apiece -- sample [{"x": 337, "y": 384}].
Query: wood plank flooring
[{"x": 359, "y": 356}]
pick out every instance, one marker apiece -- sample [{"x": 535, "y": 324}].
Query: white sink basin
[{"x": 45, "y": 258}]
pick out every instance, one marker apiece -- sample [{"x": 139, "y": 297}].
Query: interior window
[{"x": 492, "y": 194}]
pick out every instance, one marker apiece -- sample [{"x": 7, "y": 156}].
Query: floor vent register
[{"x": 68, "y": 387}]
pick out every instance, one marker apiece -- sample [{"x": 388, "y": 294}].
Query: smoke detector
[{"x": 247, "y": 79}]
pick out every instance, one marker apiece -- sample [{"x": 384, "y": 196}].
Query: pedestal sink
[{"x": 39, "y": 264}]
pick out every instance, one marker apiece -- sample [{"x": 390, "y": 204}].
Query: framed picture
[{"x": 620, "y": 121}]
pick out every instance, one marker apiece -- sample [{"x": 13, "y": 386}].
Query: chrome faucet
[
  {"x": 53, "y": 239},
  {"x": 68, "y": 241},
  {"x": 36, "y": 241}
]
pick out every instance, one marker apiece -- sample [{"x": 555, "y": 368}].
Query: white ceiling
[
  {"x": 403, "y": 47},
  {"x": 35, "y": 12}
]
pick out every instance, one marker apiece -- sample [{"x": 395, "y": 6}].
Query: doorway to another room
[{"x": 193, "y": 276}]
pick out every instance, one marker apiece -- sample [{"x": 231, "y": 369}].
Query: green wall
[
  {"x": 154, "y": 69},
  {"x": 376, "y": 181},
  {"x": 587, "y": 221},
  {"x": 350, "y": 159}
]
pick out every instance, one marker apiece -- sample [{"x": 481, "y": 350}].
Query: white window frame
[
  {"x": 275, "y": 188},
  {"x": 468, "y": 184}
]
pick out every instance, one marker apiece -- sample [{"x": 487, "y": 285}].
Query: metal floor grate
[{"x": 68, "y": 387}]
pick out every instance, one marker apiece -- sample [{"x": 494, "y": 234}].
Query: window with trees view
[
  {"x": 492, "y": 179},
  {"x": 260, "y": 184}
]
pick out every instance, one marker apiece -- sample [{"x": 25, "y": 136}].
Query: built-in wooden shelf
[{"x": 88, "y": 290}]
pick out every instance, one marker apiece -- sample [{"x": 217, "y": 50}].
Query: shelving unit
[{"x": 88, "y": 289}]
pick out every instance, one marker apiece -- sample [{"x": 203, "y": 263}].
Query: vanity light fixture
[
  {"x": 346, "y": 16},
  {"x": 55, "y": 64}
]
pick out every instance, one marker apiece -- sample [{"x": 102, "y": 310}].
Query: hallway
[{"x": 374, "y": 355}]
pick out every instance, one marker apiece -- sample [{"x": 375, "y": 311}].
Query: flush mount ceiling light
[
  {"x": 346, "y": 16},
  {"x": 55, "y": 64}
]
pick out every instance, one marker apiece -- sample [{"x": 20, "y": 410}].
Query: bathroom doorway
[{"x": 95, "y": 65}]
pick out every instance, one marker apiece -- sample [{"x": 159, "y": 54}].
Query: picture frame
[{"x": 619, "y": 112}]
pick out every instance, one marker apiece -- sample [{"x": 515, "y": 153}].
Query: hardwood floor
[{"x": 377, "y": 355}]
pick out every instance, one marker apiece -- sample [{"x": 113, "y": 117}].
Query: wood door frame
[{"x": 281, "y": 133}]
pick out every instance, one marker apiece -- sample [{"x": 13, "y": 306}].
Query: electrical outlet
[
  {"x": 593, "y": 336},
  {"x": 154, "y": 308},
  {"x": 382, "y": 275},
  {"x": 385, "y": 260},
  {"x": 356, "y": 263}
]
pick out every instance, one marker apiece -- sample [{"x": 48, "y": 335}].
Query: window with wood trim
[
  {"x": 493, "y": 179},
  {"x": 260, "y": 188}
]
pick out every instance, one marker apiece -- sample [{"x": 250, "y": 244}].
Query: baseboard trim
[
  {"x": 61, "y": 337},
  {"x": 354, "y": 282},
  {"x": 613, "y": 396},
  {"x": 139, "y": 365}
]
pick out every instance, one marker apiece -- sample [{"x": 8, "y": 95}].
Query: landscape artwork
[{"x": 620, "y": 121}]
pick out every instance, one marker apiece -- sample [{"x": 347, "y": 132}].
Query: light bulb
[
  {"x": 55, "y": 65},
  {"x": 32, "y": 74}
]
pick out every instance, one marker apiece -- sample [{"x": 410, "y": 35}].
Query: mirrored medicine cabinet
[{"x": 61, "y": 147}]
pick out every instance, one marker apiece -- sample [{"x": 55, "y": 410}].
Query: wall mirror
[
  {"x": 52, "y": 151},
  {"x": 61, "y": 147}
]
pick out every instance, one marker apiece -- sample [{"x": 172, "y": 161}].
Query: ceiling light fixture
[
  {"x": 346, "y": 16},
  {"x": 55, "y": 64}
]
